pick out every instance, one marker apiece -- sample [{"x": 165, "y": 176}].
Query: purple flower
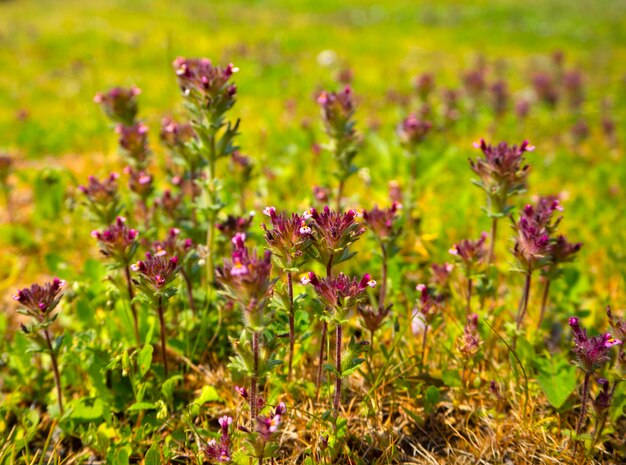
[
  {"x": 176, "y": 135},
  {"x": 289, "y": 237},
  {"x": 502, "y": 172},
  {"x": 545, "y": 89},
  {"x": 592, "y": 352},
  {"x": 424, "y": 85},
  {"x": 532, "y": 243},
  {"x": 499, "y": 97},
  {"x": 334, "y": 232},
  {"x": 172, "y": 245},
  {"x": 40, "y": 301},
  {"x": 440, "y": 275},
  {"x": 119, "y": 104},
  {"x": 337, "y": 112},
  {"x": 470, "y": 341},
  {"x": 470, "y": 253},
  {"x": 542, "y": 212},
  {"x": 267, "y": 426},
  {"x": 117, "y": 241},
  {"x": 220, "y": 452},
  {"x": 474, "y": 82},
  {"x": 102, "y": 197},
  {"x": 381, "y": 222},
  {"x": 618, "y": 325},
  {"x": 245, "y": 279},
  {"x": 412, "y": 132},
  {"x": 140, "y": 182},
  {"x": 340, "y": 293},
  {"x": 134, "y": 141},
  {"x": 205, "y": 83},
  {"x": 156, "y": 272}
]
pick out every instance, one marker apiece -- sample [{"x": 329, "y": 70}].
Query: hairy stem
[
  {"x": 337, "y": 400},
  {"x": 318, "y": 380},
  {"x": 163, "y": 331},
  {"x": 544, "y": 302},
  {"x": 468, "y": 307},
  {"x": 133, "y": 309},
  {"x": 583, "y": 408},
  {"x": 494, "y": 232},
  {"x": 254, "y": 378},
  {"x": 55, "y": 370},
  {"x": 524, "y": 301},
  {"x": 383, "y": 278},
  {"x": 189, "y": 286},
  {"x": 292, "y": 329}
]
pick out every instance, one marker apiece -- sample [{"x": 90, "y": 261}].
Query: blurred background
[{"x": 55, "y": 56}]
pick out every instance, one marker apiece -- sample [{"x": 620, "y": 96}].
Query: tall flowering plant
[
  {"x": 334, "y": 233},
  {"x": 155, "y": 276},
  {"x": 287, "y": 240},
  {"x": 338, "y": 117},
  {"x": 39, "y": 303},
  {"x": 471, "y": 255},
  {"x": 339, "y": 295},
  {"x": 502, "y": 173},
  {"x": 119, "y": 243},
  {"x": 102, "y": 198},
  {"x": 209, "y": 93},
  {"x": 246, "y": 281}
]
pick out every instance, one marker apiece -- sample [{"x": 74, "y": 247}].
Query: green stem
[
  {"x": 337, "y": 400},
  {"x": 133, "y": 309},
  {"x": 254, "y": 378},
  {"x": 292, "y": 330},
  {"x": 163, "y": 331},
  {"x": 55, "y": 370},
  {"x": 544, "y": 302},
  {"x": 494, "y": 232}
]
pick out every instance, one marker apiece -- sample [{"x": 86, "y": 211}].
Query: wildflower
[
  {"x": 424, "y": 85},
  {"x": 156, "y": 271},
  {"x": 573, "y": 85},
  {"x": 176, "y": 135},
  {"x": 119, "y": 104},
  {"x": 541, "y": 213},
  {"x": 337, "y": 112},
  {"x": 580, "y": 131},
  {"x": 334, "y": 233},
  {"x": 245, "y": 279},
  {"x": 320, "y": 194},
  {"x": 440, "y": 275},
  {"x": 243, "y": 392},
  {"x": 140, "y": 182},
  {"x": 471, "y": 253},
  {"x": 172, "y": 245},
  {"x": 169, "y": 202},
  {"x": 502, "y": 172},
  {"x": 6, "y": 162},
  {"x": 340, "y": 293},
  {"x": 102, "y": 197},
  {"x": 470, "y": 341},
  {"x": 134, "y": 141},
  {"x": 618, "y": 325},
  {"x": 267, "y": 426},
  {"x": 381, "y": 222},
  {"x": 205, "y": 83},
  {"x": 412, "y": 132},
  {"x": 545, "y": 89},
  {"x": 522, "y": 108},
  {"x": 474, "y": 82},
  {"x": 118, "y": 241},
  {"x": 40, "y": 301},
  {"x": 289, "y": 237},
  {"x": 532, "y": 244},
  {"x": 499, "y": 97},
  {"x": 220, "y": 452},
  {"x": 592, "y": 352}
]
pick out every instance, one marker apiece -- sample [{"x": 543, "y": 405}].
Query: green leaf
[
  {"x": 208, "y": 394},
  {"x": 152, "y": 456},
  {"x": 451, "y": 378},
  {"x": 557, "y": 380},
  {"x": 86, "y": 409},
  {"x": 144, "y": 359},
  {"x": 138, "y": 406},
  {"x": 431, "y": 399}
]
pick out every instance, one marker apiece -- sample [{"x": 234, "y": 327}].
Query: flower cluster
[
  {"x": 176, "y": 135},
  {"x": 173, "y": 245},
  {"x": 206, "y": 84},
  {"x": 220, "y": 452},
  {"x": 532, "y": 244},
  {"x": 118, "y": 241},
  {"x": 102, "y": 197},
  {"x": 470, "y": 342},
  {"x": 339, "y": 294},
  {"x": 337, "y": 112},
  {"x": 471, "y": 253},
  {"x": 245, "y": 279},
  {"x": 412, "y": 131},
  {"x": 381, "y": 222},
  {"x": 289, "y": 237},
  {"x": 268, "y": 425},
  {"x": 156, "y": 272},
  {"x": 140, "y": 182},
  {"x": 133, "y": 140},
  {"x": 542, "y": 212},
  {"x": 119, "y": 104},
  {"x": 502, "y": 172},
  {"x": 440, "y": 276},
  {"x": 334, "y": 233},
  {"x": 592, "y": 352},
  {"x": 40, "y": 301}
]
